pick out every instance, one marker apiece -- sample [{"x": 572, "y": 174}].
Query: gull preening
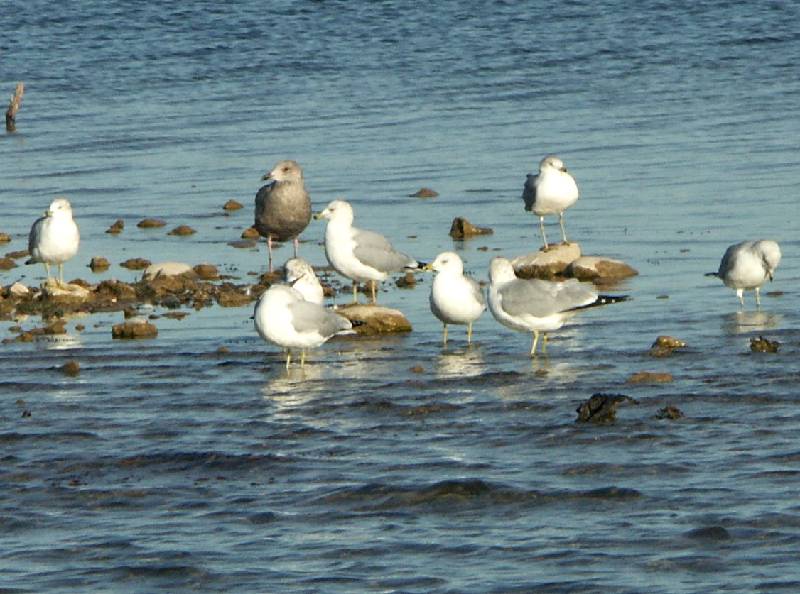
[
  {"x": 454, "y": 298},
  {"x": 748, "y": 265},
  {"x": 301, "y": 277},
  {"x": 284, "y": 318},
  {"x": 283, "y": 207},
  {"x": 550, "y": 192},
  {"x": 54, "y": 238},
  {"x": 361, "y": 256},
  {"x": 537, "y": 305}
]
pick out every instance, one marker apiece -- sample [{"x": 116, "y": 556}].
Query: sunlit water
[{"x": 392, "y": 465}]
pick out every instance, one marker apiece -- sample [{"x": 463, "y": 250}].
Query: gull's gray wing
[
  {"x": 543, "y": 298},
  {"x": 310, "y": 317},
  {"x": 529, "y": 192},
  {"x": 34, "y": 238},
  {"x": 374, "y": 250}
]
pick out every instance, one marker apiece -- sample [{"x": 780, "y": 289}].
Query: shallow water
[{"x": 168, "y": 464}]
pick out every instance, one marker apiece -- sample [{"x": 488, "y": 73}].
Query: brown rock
[
  {"x": 150, "y": 223},
  {"x": 461, "y": 228},
  {"x": 424, "y": 193},
  {"x": 673, "y": 413},
  {"x": 182, "y": 230},
  {"x": 547, "y": 264},
  {"x": 250, "y": 233},
  {"x": 763, "y": 345},
  {"x": 407, "y": 281},
  {"x": 233, "y": 296},
  {"x": 232, "y": 205},
  {"x": 71, "y": 368},
  {"x": 99, "y": 263},
  {"x": 5, "y": 238},
  {"x": 135, "y": 263},
  {"x": 7, "y": 264},
  {"x": 116, "y": 227},
  {"x": 664, "y": 346},
  {"x": 206, "y": 271},
  {"x": 602, "y": 408},
  {"x": 375, "y": 319},
  {"x": 65, "y": 292},
  {"x": 18, "y": 254},
  {"x": 596, "y": 269},
  {"x": 129, "y": 330},
  {"x": 243, "y": 244},
  {"x": 650, "y": 377}
]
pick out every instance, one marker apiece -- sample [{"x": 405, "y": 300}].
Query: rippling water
[{"x": 392, "y": 465}]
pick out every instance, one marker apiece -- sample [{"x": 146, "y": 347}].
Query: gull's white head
[
  {"x": 770, "y": 254},
  {"x": 552, "y": 162},
  {"x": 501, "y": 270},
  {"x": 59, "y": 207},
  {"x": 296, "y": 268},
  {"x": 338, "y": 210},
  {"x": 285, "y": 171},
  {"x": 447, "y": 262}
]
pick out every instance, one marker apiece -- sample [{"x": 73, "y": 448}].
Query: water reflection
[
  {"x": 466, "y": 362},
  {"x": 742, "y": 322}
]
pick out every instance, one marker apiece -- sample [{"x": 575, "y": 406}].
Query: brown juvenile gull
[
  {"x": 283, "y": 208},
  {"x": 361, "y": 256},
  {"x": 748, "y": 265},
  {"x": 54, "y": 238},
  {"x": 552, "y": 191}
]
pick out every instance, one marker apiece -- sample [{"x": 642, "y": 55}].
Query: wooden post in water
[{"x": 13, "y": 108}]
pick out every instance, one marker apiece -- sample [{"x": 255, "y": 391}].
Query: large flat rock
[
  {"x": 548, "y": 264},
  {"x": 374, "y": 319}
]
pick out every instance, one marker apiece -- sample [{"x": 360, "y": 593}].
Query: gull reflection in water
[
  {"x": 742, "y": 322},
  {"x": 468, "y": 362},
  {"x": 289, "y": 388}
]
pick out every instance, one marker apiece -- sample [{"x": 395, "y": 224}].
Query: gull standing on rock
[
  {"x": 552, "y": 191},
  {"x": 748, "y": 265},
  {"x": 54, "y": 238},
  {"x": 284, "y": 318},
  {"x": 283, "y": 208},
  {"x": 361, "y": 256},
  {"x": 454, "y": 298},
  {"x": 538, "y": 305},
  {"x": 301, "y": 277}
]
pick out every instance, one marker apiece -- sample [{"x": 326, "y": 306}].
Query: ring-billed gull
[
  {"x": 54, "y": 238},
  {"x": 538, "y": 305},
  {"x": 748, "y": 265},
  {"x": 301, "y": 277},
  {"x": 284, "y": 318},
  {"x": 361, "y": 256},
  {"x": 552, "y": 191},
  {"x": 283, "y": 208},
  {"x": 454, "y": 298}
]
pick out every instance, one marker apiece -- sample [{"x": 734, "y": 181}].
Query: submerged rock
[
  {"x": 763, "y": 345},
  {"x": 650, "y": 377},
  {"x": 116, "y": 227},
  {"x": 99, "y": 264},
  {"x": 374, "y": 319},
  {"x": 135, "y": 263},
  {"x": 709, "y": 533},
  {"x": 599, "y": 270},
  {"x": 134, "y": 329},
  {"x": 424, "y": 193},
  {"x": 182, "y": 230},
  {"x": 250, "y": 233},
  {"x": 461, "y": 228},
  {"x": 5, "y": 238},
  {"x": 151, "y": 223},
  {"x": 7, "y": 263},
  {"x": 548, "y": 264},
  {"x": 602, "y": 408},
  {"x": 672, "y": 413},
  {"x": 206, "y": 271},
  {"x": 71, "y": 368},
  {"x": 232, "y": 205},
  {"x": 664, "y": 346}
]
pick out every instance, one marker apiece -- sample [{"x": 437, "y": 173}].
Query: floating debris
[{"x": 670, "y": 412}]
